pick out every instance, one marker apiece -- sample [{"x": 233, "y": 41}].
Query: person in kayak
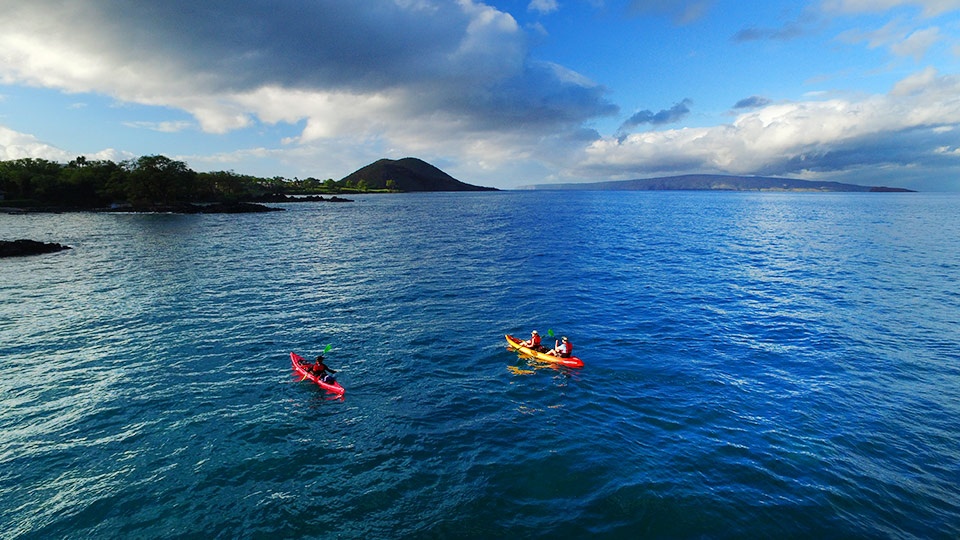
[
  {"x": 563, "y": 348},
  {"x": 321, "y": 370},
  {"x": 533, "y": 342}
]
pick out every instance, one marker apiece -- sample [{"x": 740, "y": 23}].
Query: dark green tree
[
  {"x": 30, "y": 178},
  {"x": 159, "y": 180},
  {"x": 223, "y": 186}
]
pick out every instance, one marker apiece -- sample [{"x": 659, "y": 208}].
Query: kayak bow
[
  {"x": 299, "y": 365},
  {"x": 518, "y": 345}
]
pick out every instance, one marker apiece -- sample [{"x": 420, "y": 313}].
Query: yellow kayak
[{"x": 517, "y": 344}]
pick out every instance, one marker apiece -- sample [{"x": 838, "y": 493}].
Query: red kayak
[
  {"x": 517, "y": 344},
  {"x": 302, "y": 367}
]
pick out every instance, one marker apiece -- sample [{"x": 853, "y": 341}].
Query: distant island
[{"x": 718, "y": 182}]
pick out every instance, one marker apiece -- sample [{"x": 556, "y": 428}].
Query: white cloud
[
  {"x": 16, "y": 145},
  {"x": 450, "y": 74},
  {"x": 929, "y": 8},
  {"x": 898, "y": 38},
  {"x": 917, "y": 83},
  {"x": 885, "y": 36},
  {"x": 543, "y": 6},
  {"x": 162, "y": 127},
  {"x": 790, "y": 138},
  {"x": 917, "y": 43}
]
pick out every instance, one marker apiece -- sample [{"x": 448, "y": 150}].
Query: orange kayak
[{"x": 518, "y": 345}]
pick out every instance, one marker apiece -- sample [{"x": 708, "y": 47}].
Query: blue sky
[{"x": 498, "y": 93}]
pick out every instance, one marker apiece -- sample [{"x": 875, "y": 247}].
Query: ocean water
[{"x": 756, "y": 366}]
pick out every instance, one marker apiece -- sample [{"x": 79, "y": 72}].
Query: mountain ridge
[{"x": 718, "y": 182}]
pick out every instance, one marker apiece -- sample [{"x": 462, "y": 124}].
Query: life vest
[
  {"x": 536, "y": 340},
  {"x": 566, "y": 348}
]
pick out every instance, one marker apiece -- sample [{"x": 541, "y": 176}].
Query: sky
[{"x": 499, "y": 93}]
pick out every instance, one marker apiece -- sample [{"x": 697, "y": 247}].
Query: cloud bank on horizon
[{"x": 496, "y": 93}]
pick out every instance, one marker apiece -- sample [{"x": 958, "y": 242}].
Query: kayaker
[
  {"x": 563, "y": 348},
  {"x": 534, "y": 342},
  {"x": 320, "y": 369}
]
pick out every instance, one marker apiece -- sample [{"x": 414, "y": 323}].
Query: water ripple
[{"x": 756, "y": 365}]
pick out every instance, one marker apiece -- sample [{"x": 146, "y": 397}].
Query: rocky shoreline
[
  {"x": 191, "y": 208},
  {"x": 24, "y": 247},
  {"x": 21, "y": 248},
  {"x": 182, "y": 208},
  {"x": 179, "y": 208},
  {"x": 300, "y": 198}
]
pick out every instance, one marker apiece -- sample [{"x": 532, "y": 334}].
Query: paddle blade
[
  {"x": 550, "y": 332},
  {"x": 518, "y": 371},
  {"x": 327, "y": 348}
]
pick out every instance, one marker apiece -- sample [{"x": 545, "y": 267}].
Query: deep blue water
[{"x": 757, "y": 366}]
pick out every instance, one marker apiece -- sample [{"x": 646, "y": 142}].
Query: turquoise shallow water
[{"x": 757, "y": 365}]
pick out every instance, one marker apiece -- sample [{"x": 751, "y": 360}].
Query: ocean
[{"x": 757, "y": 365}]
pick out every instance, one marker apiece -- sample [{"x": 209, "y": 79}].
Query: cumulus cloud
[
  {"x": 16, "y": 145},
  {"x": 905, "y": 126},
  {"x": 382, "y": 69}
]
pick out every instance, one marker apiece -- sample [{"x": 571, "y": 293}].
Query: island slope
[
  {"x": 718, "y": 182},
  {"x": 408, "y": 174}
]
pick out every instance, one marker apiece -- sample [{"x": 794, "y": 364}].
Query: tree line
[{"x": 140, "y": 182}]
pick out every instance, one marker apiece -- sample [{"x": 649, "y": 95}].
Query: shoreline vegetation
[
  {"x": 152, "y": 184},
  {"x": 160, "y": 184}
]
